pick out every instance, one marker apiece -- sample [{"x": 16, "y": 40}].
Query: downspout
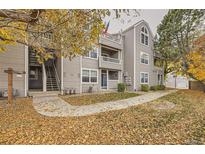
[
  {"x": 44, "y": 78},
  {"x": 134, "y": 78},
  {"x": 81, "y": 74},
  {"x": 26, "y": 71},
  {"x": 62, "y": 69}
]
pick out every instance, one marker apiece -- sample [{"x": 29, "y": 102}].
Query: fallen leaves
[
  {"x": 97, "y": 98},
  {"x": 183, "y": 124}
]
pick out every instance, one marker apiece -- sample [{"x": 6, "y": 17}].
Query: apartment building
[
  {"x": 125, "y": 57},
  {"x": 139, "y": 56}
]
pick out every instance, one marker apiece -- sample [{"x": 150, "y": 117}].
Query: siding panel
[{"x": 14, "y": 58}]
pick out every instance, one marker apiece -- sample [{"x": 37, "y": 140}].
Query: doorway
[{"x": 104, "y": 76}]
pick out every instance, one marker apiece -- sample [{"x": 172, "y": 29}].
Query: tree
[
  {"x": 66, "y": 32},
  {"x": 175, "y": 34},
  {"x": 196, "y": 60}
]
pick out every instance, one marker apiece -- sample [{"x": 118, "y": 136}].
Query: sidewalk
[{"x": 54, "y": 106}]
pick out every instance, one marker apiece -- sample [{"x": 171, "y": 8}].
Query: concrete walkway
[{"x": 54, "y": 106}]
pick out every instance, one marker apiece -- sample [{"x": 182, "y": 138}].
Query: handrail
[
  {"x": 57, "y": 77},
  {"x": 109, "y": 59},
  {"x": 49, "y": 72},
  {"x": 113, "y": 38}
]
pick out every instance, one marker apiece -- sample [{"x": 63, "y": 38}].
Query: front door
[{"x": 104, "y": 79}]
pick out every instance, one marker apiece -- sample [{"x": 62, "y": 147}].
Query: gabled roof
[{"x": 136, "y": 24}]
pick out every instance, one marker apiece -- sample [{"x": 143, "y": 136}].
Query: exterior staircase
[
  {"x": 32, "y": 59},
  {"x": 52, "y": 81}
]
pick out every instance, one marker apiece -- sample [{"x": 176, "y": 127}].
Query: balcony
[
  {"x": 110, "y": 63},
  {"x": 114, "y": 41}
]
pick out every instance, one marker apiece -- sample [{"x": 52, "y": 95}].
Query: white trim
[
  {"x": 44, "y": 78},
  {"x": 145, "y": 54},
  {"x": 134, "y": 78},
  {"x": 148, "y": 77},
  {"x": 26, "y": 70},
  {"x": 89, "y": 69},
  {"x": 137, "y": 24},
  {"x": 107, "y": 79},
  {"x": 111, "y": 61},
  {"x": 62, "y": 77},
  {"x": 86, "y": 57},
  {"x": 81, "y": 88},
  {"x": 101, "y": 79},
  {"x": 90, "y": 58},
  {"x": 145, "y": 35}
]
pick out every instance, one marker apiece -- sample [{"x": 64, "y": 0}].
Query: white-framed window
[
  {"x": 144, "y": 77},
  {"x": 85, "y": 76},
  {"x": 89, "y": 76},
  {"x": 144, "y": 58},
  {"x": 92, "y": 54},
  {"x": 93, "y": 76},
  {"x": 144, "y": 36}
]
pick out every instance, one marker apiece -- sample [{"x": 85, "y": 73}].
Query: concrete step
[{"x": 43, "y": 94}]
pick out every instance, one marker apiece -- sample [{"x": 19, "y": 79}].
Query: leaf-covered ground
[
  {"x": 97, "y": 98},
  {"x": 142, "y": 124}
]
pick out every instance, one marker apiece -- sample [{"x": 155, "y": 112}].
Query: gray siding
[
  {"x": 147, "y": 49},
  {"x": 91, "y": 64},
  {"x": 112, "y": 84},
  {"x": 71, "y": 73},
  {"x": 108, "y": 42},
  {"x": 109, "y": 65},
  {"x": 14, "y": 58},
  {"x": 85, "y": 87},
  {"x": 129, "y": 55}
]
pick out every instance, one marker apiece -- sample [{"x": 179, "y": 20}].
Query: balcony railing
[
  {"x": 111, "y": 37},
  {"x": 110, "y": 63},
  {"x": 113, "y": 60}
]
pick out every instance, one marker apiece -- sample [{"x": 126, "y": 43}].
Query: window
[
  {"x": 89, "y": 76},
  {"x": 144, "y": 58},
  {"x": 113, "y": 75},
  {"x": 144, "y": 36},
  {"x": 92, "y": 54},
  {"x": 93, "y": 76},
  {"x": 144, "y": 78},
  {"x": 85, "y": 76}
]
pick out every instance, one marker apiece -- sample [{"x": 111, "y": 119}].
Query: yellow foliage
[{"x": 196, "y": 60}]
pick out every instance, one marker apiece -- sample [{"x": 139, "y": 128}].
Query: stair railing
[
  {"x": 49, "y": 75},
  {"x": 56, "y": 74}
]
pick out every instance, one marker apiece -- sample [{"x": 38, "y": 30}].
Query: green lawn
[
  {"x": 142, "y": 124},
  {"x": 97, "y": 98}
]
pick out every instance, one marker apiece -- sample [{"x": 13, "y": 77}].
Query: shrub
[
  {"x": 160, "y": 87},
  {"x": 121, "y": 87},
  {"x": 145, "y": 87},
  {"x": 154, "y": 88}
]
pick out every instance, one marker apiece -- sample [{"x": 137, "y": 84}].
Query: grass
[
  {"x": 184, "y": 124},
  {"x": 97, "y": 98}
]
